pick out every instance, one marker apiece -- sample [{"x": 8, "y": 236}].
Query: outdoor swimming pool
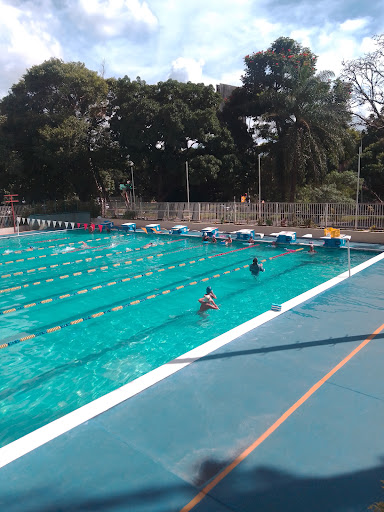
[{"x": 77, "y": 324}]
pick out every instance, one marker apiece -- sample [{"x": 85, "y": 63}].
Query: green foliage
[
  {"x": 378, "y": 507},
  {"x": 302, "y": 117},
  {"x": 55, "y": 124},
  {"x": 338, "y": 187},
  {"x": 162, "y": 126},
  {"x": 130, "y": 214}
]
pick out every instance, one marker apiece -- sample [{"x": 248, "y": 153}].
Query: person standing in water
[
  {"x": 207, "y": 301},
  {"x": 256, "y": 267}
]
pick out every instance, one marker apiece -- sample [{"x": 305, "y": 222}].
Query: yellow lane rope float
[
  {"x": 131, "y": 303},
  {"x": 30, "y": 270},
  {"x": 97, "y": 247},
  {"x": 105, "y": 267},
  {"x": 88, "y": 271}
]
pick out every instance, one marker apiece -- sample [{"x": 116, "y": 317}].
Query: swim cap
[{"x": 209, "y": 289}]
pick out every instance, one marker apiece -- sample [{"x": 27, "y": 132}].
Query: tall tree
[
  {"x": 161, "y": 126},
  {"x": 301, "y": 118},
  {"x": 56, "y": 121},
  {"x": 366, "y": 78}
]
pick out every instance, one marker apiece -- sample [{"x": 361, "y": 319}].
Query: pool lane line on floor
[
  {"x": 104, "y": 267},
  {"x": 19, "y": 251},
  {"x": 54, "y": 429},
  {"x": 71, "y": 262},
  {"x": 97, "y": 247},
  {"x": 225, "y": 472},
  {"x": 89, "y": 270},
  {"x": 122, "y": 306},
  {"x": 104, "y": 284}
]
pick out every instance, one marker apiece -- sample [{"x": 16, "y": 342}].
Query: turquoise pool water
[{"x": 53, "y": 373}]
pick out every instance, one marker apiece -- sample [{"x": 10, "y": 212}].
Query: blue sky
[{"x": 202, "y": 41}]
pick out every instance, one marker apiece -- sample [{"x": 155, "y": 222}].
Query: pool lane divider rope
[
  {"x": 45, "y": 248},
  {"x": 30, "y": 270},
  {"x": 90, "y": 270},
  {"x": 55, "y": 253},
  {"x": 117, "y": 281},
  {"x": 104, "y": 267},
  {"x": 128, "y": 304}
]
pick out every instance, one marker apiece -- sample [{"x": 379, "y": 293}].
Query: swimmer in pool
[
  {"x": 85, "y": 246},
  {"x": 205, "y": 238},
  {"x": 146, "y": 246},
  {"x": 207, "y": 301},
  {"x": 311, "y": 248},
  {"x": 256, "y": 267},
  {"x": 214, "y": 240},
  {"x": 228, "y": 240}
]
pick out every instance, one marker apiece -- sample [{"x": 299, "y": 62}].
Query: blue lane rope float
[
  {"x": 114, "y": 309},
  {"x": 30, "y": 270},
  {"x": 90, "y": 270},
  {"x": 18, "y": 251},
  {"x": 99, "y": 286},
  {"x": 54, "y": 253},
  {"x": 128, "y": 304},
  {"x": 104, "y": 285},
  {"x": 105, "y": 267}
]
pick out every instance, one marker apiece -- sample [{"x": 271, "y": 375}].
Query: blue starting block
[
  {"x": 245, "y": 234},
  {"x": 286, "y": 237},
  {"x": 128, "y": 226},
  {"x": 105, "y": 223},
  {"x": 153, "y": 228},
  {"x": 210, "y": 231},
  {"x": 339, "y": 241},
  {"x": 178, "y": 230}
]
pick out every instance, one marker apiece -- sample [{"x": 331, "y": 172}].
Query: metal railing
[{"x": 323, "y": 215}]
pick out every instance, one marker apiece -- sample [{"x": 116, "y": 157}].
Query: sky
[{"x": 200, "y": 41}]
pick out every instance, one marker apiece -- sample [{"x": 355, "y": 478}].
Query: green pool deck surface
[{"x": 156, "y": 451}]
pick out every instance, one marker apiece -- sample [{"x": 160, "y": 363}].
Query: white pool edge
[{"x": 43, "y": 435}]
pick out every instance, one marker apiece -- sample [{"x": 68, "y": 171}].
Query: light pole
[
  {"x": 358, "y": 182},
  {"x": 133, "y": 186},
  {"x": 187, "y": 177},
  {"x": 259, "y": 158},
  {"x": 131, "y": 165}
]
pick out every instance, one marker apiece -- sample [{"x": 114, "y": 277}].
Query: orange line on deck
[{"x": 189, "y": 506}]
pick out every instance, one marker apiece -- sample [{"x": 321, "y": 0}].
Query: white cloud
[
  {"x": 353, "y": 25},
  {"x": 25, "y": 41},
  {"x": 202, "y": 42},
  {"x": 111, "y": 18},
  {"x": 187, "y": 70}
]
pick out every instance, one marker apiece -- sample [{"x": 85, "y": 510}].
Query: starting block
[
  {"x": 128, "y": 226},
  {"x": 210, "y": 231},
  {"x": 178, "y": 230},
  {"x": 286, "y": 237},
  {"x": 153, "y": 228}
]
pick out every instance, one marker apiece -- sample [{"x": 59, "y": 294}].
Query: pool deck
[{"x": 309, "y": 440}]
